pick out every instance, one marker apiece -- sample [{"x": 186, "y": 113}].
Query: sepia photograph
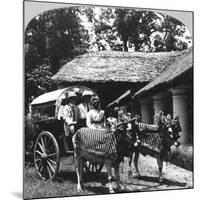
[{"x": 108, "y": 99}]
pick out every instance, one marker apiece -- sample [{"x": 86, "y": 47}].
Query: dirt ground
[
  {"x": 65, "y": 184},
  {"x": 174, "y": 177}
]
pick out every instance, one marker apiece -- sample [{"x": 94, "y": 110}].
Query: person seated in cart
[
  {"x": 84, "y": 107},
  {"x": 95, "y": 117},
  {"x": 70, "y": 117}
]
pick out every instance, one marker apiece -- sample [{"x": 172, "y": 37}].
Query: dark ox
[
  {"x": 168, "y": 134},
  {"x": 100, "y": 146}
]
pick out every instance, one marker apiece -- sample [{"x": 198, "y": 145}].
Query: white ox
[{"x": 99, "y": 146}]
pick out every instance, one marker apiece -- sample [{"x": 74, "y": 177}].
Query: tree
[
  {"x": 173, "y": 30},
  {"x": 38, "y": 81},
  {"x": 54, "y": 35},
  {"x": 103, "y": 36},
  {"x": 139, "y": 28},
  {"x": 135, "y": 27}
]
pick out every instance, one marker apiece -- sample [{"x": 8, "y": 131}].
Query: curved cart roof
[
  {"x": 48, "y": 97},
  {"x": 56, "y": 95}
]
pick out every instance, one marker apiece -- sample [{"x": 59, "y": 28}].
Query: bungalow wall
[{"x": 175, "y": 98}]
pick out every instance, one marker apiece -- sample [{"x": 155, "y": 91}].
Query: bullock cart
[{"x": 48, "y": 144}]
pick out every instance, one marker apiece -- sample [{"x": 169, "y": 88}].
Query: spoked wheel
[
  {"x": 46, "y": 156},
  {"x": 93, "y": 167}
]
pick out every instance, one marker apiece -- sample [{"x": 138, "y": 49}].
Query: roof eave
[{"x": 158, "y": 86}]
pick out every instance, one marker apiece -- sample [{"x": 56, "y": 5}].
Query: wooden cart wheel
[
  {"x": 46, "y": 156},
  {"x": 93, "y": 167}
]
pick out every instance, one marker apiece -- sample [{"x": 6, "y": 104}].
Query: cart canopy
[
  {"x": 48, "y": 97},
  {"x": 57, "y": 95},
  {"x": 48, "y": 104}
]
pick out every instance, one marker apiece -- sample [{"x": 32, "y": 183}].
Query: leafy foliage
[
  {"x": 54, "y": 35},
  {"x": 38, "y": 81},
  {"x": 149, "y": 31}
]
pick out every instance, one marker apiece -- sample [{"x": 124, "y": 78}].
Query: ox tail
[
  {"x": 74, "y": 140},
  {"x": 76, "y": 151}
]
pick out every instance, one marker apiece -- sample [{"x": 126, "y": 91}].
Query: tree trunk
[{"x": 125, "y": 45}]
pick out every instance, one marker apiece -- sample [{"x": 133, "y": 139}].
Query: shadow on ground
[
  {"x": 164, "y": 182},
  {"x": 87, "y": 177},
  {"x": 96, "y": 189},
  {"x": 66, "y": 176},
  {"x": 102, "y": 190}
]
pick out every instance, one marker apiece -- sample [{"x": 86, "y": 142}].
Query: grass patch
[{"x": 63, "y": 185}]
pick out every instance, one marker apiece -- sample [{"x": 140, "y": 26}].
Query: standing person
[
  {"x": 122, "y": 118},
  {"x": 95, "y": 117},
  {"x": 112, "y": 121},
  {"x": 123, "y": 114},
  {"x": 70, "y": 117},
  {"x": 84, "y": 107},
  {"x": 59, "y": 109},
  {"x": 115, "y": 112}
]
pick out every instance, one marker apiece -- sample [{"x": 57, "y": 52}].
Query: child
[{"x": 111, "y": 121}]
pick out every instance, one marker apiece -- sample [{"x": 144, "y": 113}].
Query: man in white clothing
[
  {"x": 84, "y": 108},
  {"x": 70, "y": 117}
]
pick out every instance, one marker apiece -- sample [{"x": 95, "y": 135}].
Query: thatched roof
[
  {"x": 170, "y": 74},
  {"x": 115, "y": 66}
]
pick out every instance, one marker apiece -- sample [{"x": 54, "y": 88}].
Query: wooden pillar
[
  {"x": 180, "y": 108},
  {"x": 146, "y": 109},
  {"x": 135, "y": 108},
  {"x": 162, "y": 102}
]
